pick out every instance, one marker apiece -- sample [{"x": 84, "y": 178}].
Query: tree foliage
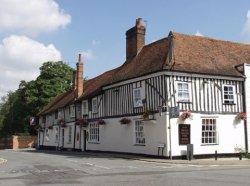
[{"x": 32, "y": 96}]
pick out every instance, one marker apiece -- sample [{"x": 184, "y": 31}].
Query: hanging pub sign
[
  {"x": 184, "y": 134},
  {"x": 32, "y": 121},
  {"x": 174, "y": 112}
]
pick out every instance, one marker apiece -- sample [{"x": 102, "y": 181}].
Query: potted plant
[
  {"x": 148, "y": 114},
  {"x": 125, "y": 121},
  {"x": 82, "y": 122},
  {"x": 241, "y": 116},
  {"x": 185, "y": 115},
  {"x": 101, "y": 122}
]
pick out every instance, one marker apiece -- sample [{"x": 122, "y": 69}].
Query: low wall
[{"x": 18, "y": 142}]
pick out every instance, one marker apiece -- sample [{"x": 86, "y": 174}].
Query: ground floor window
[
  {"x": 94, "y": 132},
  {"x": 56, "y": 134},
  {"x": 209, "y": 131},
  {"x": 139, "y": 133},
  {"x": 70, "y": 134}
]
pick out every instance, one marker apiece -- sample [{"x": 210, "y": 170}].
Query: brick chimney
[
  {"x": 79, "y": 77},
  {"x": 135, "y": 39}
]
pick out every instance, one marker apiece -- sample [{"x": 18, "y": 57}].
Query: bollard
[
  {"x": 240, "y": 156},
  {"x": 216, "y": 155},
  {"x": 189, "y": 155}
]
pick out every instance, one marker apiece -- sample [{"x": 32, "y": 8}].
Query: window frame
[
  {"x": 94, "y": 133},
  {"x": 85, "y": 110},
  {"x": 135, "y": 104},
  {"x": 139, "y": 133},
  {"x": 233, "y": 94},
  {"x": 94, "y": 108},
  {"x": 209, "y": 131},
  {"x": 184, "y": 100},
  {"x": 72, "y": 111}
]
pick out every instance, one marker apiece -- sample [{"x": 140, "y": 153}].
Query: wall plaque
[{"x": 184, "y": 134}]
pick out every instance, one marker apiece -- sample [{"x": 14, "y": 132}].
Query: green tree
[{"x": 32, "y": 96}]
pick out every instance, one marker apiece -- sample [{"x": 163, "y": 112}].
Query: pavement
[{"x": 31, "y": 167}]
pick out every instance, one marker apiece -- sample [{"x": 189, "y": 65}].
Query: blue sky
[
  {"x": 105, "y": 23},
  {"x": 98, "y": 28}
]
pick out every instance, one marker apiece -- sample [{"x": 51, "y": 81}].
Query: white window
[
  {"x": 70, "y": 134},
  {"x": 209, "y": 131},
  {"x": 85, "y": 107},
  {"x": 137, "y": 97},
  {"x": 72, "y": 111},
  {"x": 228, "y": 94},
  {"x": 94, "y": 132},
  {"x": 60, "y": 113},
  {"x": 183, "y": 92},
  {"x": 47, "y": 134},
  {"x": 56, "y": 134},
  {"x": 94, "y": 105},
  {"x": 139, "y": 133}
]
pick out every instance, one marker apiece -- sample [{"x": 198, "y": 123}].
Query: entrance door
[
  {"x": 84, "y": 140},
  {"x": 62, "y": 137}
]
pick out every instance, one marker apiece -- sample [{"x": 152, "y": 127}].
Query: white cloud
[
  {"x": 198, "y": 33},
  {"x": 32, "y": 16},
  {"x": 246, "y": 28},
  {"x": 21, "y": 58}
]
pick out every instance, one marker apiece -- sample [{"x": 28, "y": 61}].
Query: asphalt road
[{"x": 29, "y": 167}]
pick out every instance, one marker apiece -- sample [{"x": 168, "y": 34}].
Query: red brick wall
[{"x": 18, "y": 142}]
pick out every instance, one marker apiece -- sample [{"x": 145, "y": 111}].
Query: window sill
[
  {"x": 229, "y": 104},
  {"x": 92, "y": 142},
  {"x": 188, "y": 102},
  {"x": 139, "y": 145},
  {"x": 210, "y": 144}
]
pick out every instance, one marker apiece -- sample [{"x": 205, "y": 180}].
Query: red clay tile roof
[
  {"x": 208, "y": 56},
  {"x": 192, "y": 54}
]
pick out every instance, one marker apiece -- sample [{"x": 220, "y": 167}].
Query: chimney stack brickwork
[
  {"x": 135, "y": 39},
  {"x": 79, "y": 77}
]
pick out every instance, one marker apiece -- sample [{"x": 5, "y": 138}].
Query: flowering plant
[
  {"x": 185, "y": 115},
  {"x": 101, "y": 122},
  {"x": 125, "y": 121},
  {"x": 82, "y": 122},
  {"x": 241, "y": 116}
]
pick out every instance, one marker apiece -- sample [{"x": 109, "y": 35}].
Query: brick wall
[{"x": 18, "y": 142}]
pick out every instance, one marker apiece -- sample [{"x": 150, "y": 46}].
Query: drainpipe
[
  {"x": 75, "y": 130},
  {"x": 244, "y": 110}
]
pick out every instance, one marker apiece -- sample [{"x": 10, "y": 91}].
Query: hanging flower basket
[
  {"x": 148, "y": 115},
  {"x": 82, "y": 122},
  {"x": 185, "y": 115},
  {"x": 125, "y": 121},
  {"x": 101, "y": 122},
  {"x": 61, "y": 121},
  {"x": 241, "y": 116}
]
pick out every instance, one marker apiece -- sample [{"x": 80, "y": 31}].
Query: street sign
[{"x": 174, "y": 112}]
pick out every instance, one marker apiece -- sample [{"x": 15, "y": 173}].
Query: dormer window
[
  {"x": 72, "y": 111},
  {"x": 94, "y": 105},
  {"x": 228, "y": 94},
  {"x": 137, "y": 97},
  {"x": 183, "y": 92},
  {"x": 85, "y": 107}
]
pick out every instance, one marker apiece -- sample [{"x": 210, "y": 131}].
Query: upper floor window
[
  {"x": 228, "y": 94},
  {"x": 85, "y": 107},
  {"x": 209, "y": 131},
  {"x": 94, "y": 105},
  {"x": 137, "y": 97},
  {"x": 72, "y": 111},
  {"x": 183, "y": 92},
  {"x": 60, "y": 113}
]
